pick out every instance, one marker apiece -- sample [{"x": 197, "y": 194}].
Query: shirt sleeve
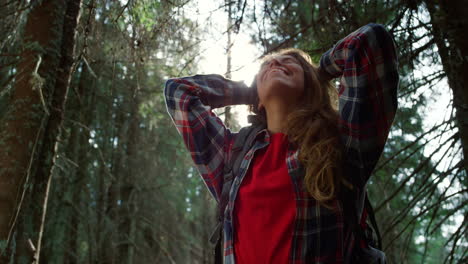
[
  {"x": 367, "y": 66},
  {"x": 189, "y": 102}
]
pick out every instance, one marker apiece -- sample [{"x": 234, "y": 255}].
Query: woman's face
[{"x": 280, "y": 77}]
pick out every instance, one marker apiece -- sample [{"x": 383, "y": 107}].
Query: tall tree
[
  {"x": 449, "y": 21},
  {"x": 227, "y": 110},
  {"x": 49, "y": 45}
]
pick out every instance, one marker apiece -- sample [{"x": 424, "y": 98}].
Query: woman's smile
[
  {"x": 276, "y": 69},
  {"x": 280, "y": 70}
]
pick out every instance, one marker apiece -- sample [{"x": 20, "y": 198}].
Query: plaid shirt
[{"x": 365, "y": 62}]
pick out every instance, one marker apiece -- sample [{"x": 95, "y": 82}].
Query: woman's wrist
[{"x": 324, "y": 75}]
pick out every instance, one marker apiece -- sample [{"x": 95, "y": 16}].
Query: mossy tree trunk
[
  {"x": 32, "y": 124},
  {"x": 46, "y": 161},
  {"x": 22, "y": 127}
]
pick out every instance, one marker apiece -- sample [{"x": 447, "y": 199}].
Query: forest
[{"x": 92, "y": 169}]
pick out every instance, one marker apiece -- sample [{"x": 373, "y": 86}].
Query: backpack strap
[
  {"x": 373, "y": 253},
  {"x": 242, "y": 144},
  {"x": 375, "y": 227},
  {"x": 356, "y": 205}
]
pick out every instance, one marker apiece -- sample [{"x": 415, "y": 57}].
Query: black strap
[
  {"x": 218, "y": 253},
  {"x": 349, "y": 199},
  {"x": 370, "y": 213}
]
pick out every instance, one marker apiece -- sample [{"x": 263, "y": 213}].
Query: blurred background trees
[{"x": 92, "y": 169}]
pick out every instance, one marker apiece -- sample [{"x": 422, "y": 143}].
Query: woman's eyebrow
[{"x": 289, "y": 57}]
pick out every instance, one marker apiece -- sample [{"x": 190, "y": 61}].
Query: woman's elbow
[{"x": 168, "y": 84}]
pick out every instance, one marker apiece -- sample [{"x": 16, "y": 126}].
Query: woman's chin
[{"x": 280, "y": 85}]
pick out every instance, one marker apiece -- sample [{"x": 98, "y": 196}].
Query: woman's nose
[{"x": 274, "y": 62}]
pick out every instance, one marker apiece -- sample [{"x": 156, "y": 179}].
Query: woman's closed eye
[
  {"x": 290, "y": 60},
  {"x": 283, "y": 61}
]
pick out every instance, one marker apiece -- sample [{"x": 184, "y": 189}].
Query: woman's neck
[{"x": 277, "y": 113}]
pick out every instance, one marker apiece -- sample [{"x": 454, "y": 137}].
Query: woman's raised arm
[
  {"x": 189, "y": 101},
  {"x": 367, "y": 66}
]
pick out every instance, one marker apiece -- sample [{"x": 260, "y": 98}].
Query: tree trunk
[
  {"x": 51, "y": 24},
  {"x": 49, "y": 152},
  {"x": 21, "y": 130},
  {"x": 128, "y": 189},
  {"x": 82, "y": 113},
  {"x": 227, "y": 109},
  {"x": 113, "y": 193},
  {"x": 449, "y": 24}
]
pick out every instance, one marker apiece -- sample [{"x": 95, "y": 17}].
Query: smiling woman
[{"x": 284, "y": 203}]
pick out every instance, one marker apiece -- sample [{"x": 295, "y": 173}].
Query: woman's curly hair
[{"x": 313, "y": 127}]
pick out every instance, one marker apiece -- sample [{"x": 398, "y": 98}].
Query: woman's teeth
[{"x": 279, "y": 69}]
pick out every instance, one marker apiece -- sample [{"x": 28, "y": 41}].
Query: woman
[{"x": 283, "y": 205}]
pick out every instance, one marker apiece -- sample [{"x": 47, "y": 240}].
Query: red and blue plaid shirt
[{"x": 366, "y": 63}]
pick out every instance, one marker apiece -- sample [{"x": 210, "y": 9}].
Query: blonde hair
[{"x": 313, "y": 126}]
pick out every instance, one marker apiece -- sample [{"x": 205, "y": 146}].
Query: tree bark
[
  {"x": 47, "y": 159},
  {"x": 50, "y": 36},
  {"x": 449, "y": 24},
  {"x": 22, "y": 127}
]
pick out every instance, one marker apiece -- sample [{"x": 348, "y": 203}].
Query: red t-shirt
[{"x": 265, "y": 207}]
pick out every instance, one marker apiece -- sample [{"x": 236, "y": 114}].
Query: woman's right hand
[{"x": 324, "y": 75}]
